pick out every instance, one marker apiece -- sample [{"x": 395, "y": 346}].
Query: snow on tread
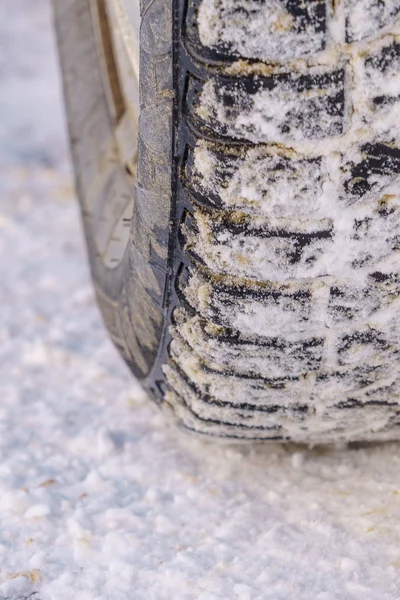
[{"x": 288, "y": 326}]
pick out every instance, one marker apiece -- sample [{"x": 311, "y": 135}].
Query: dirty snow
[
  {"x": 239, "y": 24},
  {"x": 99, "y": 499}
]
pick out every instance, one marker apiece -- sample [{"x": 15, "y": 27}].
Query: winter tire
[{"x": 238, "y": 164}]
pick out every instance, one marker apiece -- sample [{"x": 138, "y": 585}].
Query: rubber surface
[{"x": 258, "y": 297}]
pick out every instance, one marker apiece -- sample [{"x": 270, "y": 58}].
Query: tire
[{"x": 248, "y": 268}]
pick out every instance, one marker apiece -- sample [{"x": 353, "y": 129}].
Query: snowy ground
[{"x": 99, "y": 499}]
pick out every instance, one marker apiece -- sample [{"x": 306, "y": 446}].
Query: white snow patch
[{"x": 37, "y": 511}]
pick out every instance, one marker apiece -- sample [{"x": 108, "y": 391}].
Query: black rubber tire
[{"x": 250, "y": 318}]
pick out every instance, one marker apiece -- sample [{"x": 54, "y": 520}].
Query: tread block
[
  {"x": 387, "y": 59},
  {"x": 208, "y": 408},
  {"x": 290, "y": 28},
  {"x": 365, "y": 18},
  {"x": 381, "y": 75},
  {"x": 252, "y": 312},
  {"x": 349, "y": 301},
  {"x": 377, "y": 167},
  {"x": 376, "y": 236},
  {"x": 241, "y": 390},
  {"x": 190, "y": 421},
  {"x": 369, "y": 344},
  {"x": 263, "y": 250},
  {"x": 257, "y": 179},
  {"x": 278, "y": 108},
  {"x": 268, "y": 357}
]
